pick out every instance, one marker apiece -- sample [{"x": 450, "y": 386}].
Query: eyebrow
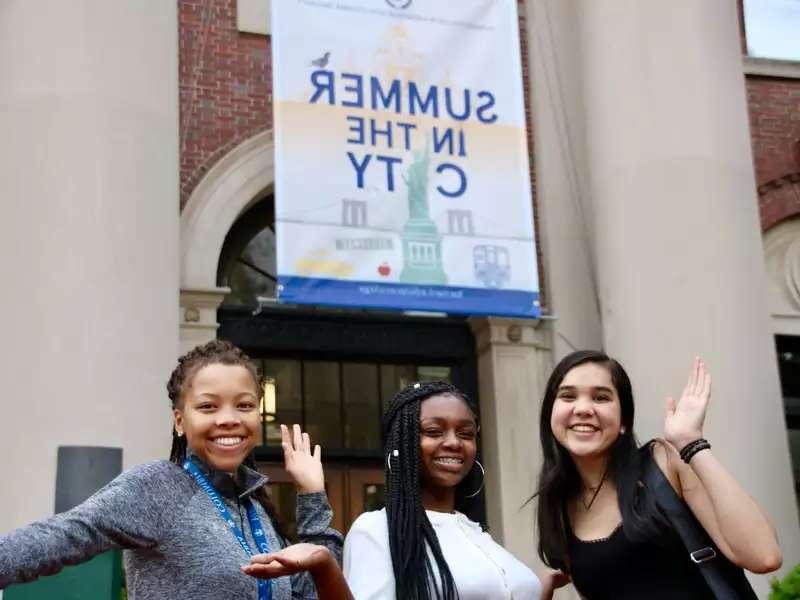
[
  {"x": 444, "y": 420},
  {"x": 572, "y": 388},
  {"x": 217, "y": 396}
]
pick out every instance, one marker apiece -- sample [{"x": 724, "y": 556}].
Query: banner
[{"x": 402, "y": 173}]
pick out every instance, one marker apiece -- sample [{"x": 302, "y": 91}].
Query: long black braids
[
  {"x": 410, "y": 530},
  {"x": 213, "y": 353}
]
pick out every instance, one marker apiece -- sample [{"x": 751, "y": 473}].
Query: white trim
[
  {"x": 254, "y": 16},
  {"x": 782, "y": 260},
  {"x": 231, "y": 186},
  {"x": 769, "y": 67},
  {"x": 198, "y": 316}
]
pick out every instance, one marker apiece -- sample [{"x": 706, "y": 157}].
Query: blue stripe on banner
[{"x": 401, "y": 296}]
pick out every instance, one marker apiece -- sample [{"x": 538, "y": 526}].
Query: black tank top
[{"x": 618, "y": 569}]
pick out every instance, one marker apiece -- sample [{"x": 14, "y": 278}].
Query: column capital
[
  {"x": 198, "y": 315},
  {"x": 504, "y": 331}
]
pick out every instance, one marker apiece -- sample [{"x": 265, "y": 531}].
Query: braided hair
[
  {"x": 410, "y": 530},
  {"x": 217, "y": 352}
]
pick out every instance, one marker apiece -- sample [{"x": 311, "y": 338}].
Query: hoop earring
[
  {"x": 483, "y": 480},
  {"x": 389, "y": 456}
]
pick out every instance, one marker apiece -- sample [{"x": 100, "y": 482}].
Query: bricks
[
  {"x": 225, "y": 86},
  {"x": 774, "y": 107}
]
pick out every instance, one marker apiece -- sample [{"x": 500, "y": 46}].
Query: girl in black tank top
[
  {"x": 616, "y": 568},
  {"x": 596, "y": 518}
]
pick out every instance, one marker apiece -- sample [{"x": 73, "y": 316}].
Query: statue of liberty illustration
[{"x": 422, "y": 244}]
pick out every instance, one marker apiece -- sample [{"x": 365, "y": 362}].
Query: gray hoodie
[{"x": 176, "y": 543}]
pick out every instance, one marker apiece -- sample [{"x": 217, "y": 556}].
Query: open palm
[
  {"x": 292, "y": 559},
  {"x": 303, "y": 465},
  {"x": 683, "y": 422}
]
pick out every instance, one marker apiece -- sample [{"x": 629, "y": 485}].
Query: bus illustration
[{"x": 491, "y": 264}]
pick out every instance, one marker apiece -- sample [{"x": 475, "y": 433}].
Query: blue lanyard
[{"x": 264, "y": 587}]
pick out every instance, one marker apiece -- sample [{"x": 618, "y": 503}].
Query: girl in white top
[{"x": 420, "y": 547}]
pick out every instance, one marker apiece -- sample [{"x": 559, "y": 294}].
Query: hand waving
[
  {"x": 683, "y": 422},
  {"x": 304, "y": 467},
  {"x": 292, "y": 559}
]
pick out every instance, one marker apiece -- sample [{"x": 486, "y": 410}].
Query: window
[
  {"x": 788, "y": 348},
  {"x": 460, "y": 222},
  {"x": 772, "y": 28},
  {"x": 422, "y": 253},
  {"x": 340, "y": 404},
  {"x": 247, "y": 263},
  {"x": 354, "y": 213}
]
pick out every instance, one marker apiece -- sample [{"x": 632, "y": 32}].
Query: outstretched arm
[
  {"x": 133, "y": 511},
  {"x": 735, "y": 522}
]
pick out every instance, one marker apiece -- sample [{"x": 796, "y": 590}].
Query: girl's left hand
[
  {"x": 556, "y": 579},
  {"x": 304, "y": 467},
  {"x": 292, "y": 559},
  {"x": 683, "y": 422}
]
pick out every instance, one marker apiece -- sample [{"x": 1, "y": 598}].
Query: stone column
[
  {"x": 514, "y": 361},
  {"x": 676, "y": 230},
  {"x": 89, "y": 235}
]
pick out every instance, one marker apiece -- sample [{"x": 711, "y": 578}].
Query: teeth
[
  {"x": 228, "y": 441},
  {"x": 586, "y": 428},
  {"x": 450, "y": 461}
]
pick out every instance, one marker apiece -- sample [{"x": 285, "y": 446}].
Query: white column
[
  {"x": 514, "y": 361},
  {"x": 677, "y": 237},
  {"x": 89, "y": 235}
]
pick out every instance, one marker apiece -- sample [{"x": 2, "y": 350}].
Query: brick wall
[
  {"x": 526, "y": 83},
  {"x": 774, "y": 107},
  {"x": 225, "y": 86}
]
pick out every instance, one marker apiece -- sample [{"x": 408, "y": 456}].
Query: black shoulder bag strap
[{"x": 726, "y": 580}]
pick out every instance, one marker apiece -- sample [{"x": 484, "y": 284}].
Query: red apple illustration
[{"x": 384, "y": 269}]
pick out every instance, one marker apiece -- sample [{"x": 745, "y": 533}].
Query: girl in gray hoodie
[{"x": 188, "y": 525}]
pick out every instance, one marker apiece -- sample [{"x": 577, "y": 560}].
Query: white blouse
[{"x": 481, "y": 568}]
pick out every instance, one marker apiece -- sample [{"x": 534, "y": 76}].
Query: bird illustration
[{"x": 321, "y": 62}]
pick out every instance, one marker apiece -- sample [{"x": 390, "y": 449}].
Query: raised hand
[
  {"x": 304, "y": 467},
  {"x": 683, "y": 422},
  {"x": 292, "y": 559}
]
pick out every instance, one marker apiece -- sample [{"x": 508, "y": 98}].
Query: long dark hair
[
  {"x": 559, "y": 480},
  {"x": 410, "y": 530},
  {"x": 217, "y": 352}
]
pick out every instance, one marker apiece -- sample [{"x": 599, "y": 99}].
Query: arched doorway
[
  {"x": 331, "y": 371},
  {"x": 782, "y": 257}
]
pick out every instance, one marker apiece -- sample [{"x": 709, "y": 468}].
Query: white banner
[{"x": 402, "y": 172}]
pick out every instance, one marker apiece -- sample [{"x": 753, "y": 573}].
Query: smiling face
[
  {"x": 219, "y": 415},
  {"x": 447, "y": 441},
  {"x": 586, "y": 416}
]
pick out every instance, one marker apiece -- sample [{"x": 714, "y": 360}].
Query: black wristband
[
  {"x": 688, "y": 451},
  {"x": 690, "y": 445}
]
